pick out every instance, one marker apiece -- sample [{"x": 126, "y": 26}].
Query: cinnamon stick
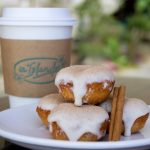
[
  {"x": 119, "y": 113},
  {"x": 113, "y": 111}
]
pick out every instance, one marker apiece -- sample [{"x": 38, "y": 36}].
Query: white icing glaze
[
  {"x": 50, "y": 101},
  {"x": 75, "y": 121},
  {"x": 80, "y": 76},
  {"x": 133, "y": 109},
  {"x": 106, "y": 105}
]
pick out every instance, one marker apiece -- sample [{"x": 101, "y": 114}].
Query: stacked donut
[{"x": 81, "y": 112}]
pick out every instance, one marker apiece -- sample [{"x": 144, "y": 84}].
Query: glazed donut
[
  {"x": 138, "y": 124},
  {"x": 135, "y": 114},
  {"x": 46, "y": 105},
  {"x": 84, "y": 84},
  {"x": 69, "y": 122}
]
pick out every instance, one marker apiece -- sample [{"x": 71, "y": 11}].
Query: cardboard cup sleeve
[{"x": 30, "y": 66}]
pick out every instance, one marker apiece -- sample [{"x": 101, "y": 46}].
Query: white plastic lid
[{"x": 37, "y": 16}]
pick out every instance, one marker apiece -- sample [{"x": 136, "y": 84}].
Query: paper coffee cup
[{"x": 35, "y": 44}]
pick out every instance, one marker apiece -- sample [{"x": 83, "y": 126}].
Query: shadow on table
[{"x": 10, "y": 146}]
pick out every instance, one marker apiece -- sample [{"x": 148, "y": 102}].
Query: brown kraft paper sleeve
[{"x": 30, "y": 66}]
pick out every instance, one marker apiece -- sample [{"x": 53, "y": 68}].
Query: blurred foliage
[
  {"x": 138, "y": 27},
  {"x": 102, "y": 35},
  {"x": 141, "y": 19}
]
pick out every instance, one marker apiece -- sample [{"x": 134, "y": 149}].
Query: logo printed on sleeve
[{"x": 38, "y": 70}]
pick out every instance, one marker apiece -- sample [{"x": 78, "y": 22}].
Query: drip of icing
[
  {"x": 133, "y": 109},
  {"x": 50, "y": 101},
  {"x": 80, "y": 76},
  {"x": 75, "y": 121}
]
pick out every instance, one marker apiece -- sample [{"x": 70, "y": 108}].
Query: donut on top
[{"x": 84, "y": 84}]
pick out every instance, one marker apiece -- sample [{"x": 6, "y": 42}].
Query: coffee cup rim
[{"x": 36, "y": 17}]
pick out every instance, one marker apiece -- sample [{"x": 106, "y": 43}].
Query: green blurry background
[{"x": 114, "y": 33}]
